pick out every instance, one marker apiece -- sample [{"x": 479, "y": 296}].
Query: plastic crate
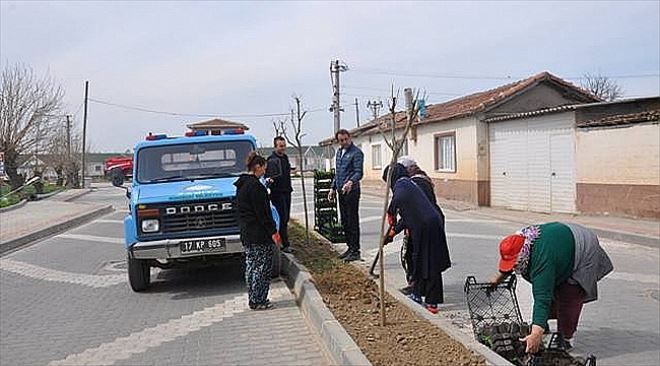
[{"x": 490, "y": 305}]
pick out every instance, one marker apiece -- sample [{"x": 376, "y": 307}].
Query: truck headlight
[{"x": 150, "y": 225}]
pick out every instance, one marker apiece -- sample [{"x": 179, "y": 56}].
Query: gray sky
[{"x": 248, "y": 58}]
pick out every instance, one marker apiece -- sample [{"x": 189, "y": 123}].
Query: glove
[
  {"x": 391, "y": 219},
  {"x": 277, "y": 239},
  {"x": 388, "y": 239}
]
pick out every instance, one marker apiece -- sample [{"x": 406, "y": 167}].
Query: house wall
[{"x": 618, "y": 170}]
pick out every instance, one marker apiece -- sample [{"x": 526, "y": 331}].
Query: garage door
[{"x": 533, "y": 164}]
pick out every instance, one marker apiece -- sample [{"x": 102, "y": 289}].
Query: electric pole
[
  {"x": 68, "y": 136},
  {"x": 84, "y": 136},
  {"x": 335, "y": 69},
  {"x": 357, "y": 112},
  {"x": 375, "y": 106}
]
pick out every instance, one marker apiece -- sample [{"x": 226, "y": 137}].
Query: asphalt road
[
  {"x": 622, "y": 328},
  {"x": 65, "y": 300}
]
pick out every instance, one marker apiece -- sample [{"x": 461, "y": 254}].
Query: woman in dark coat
[
  {"x": 430, "y": 255},
  {"x": 258, "y": 231}
]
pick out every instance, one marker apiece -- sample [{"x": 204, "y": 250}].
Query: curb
[
  {"x": 644, "y": 240},
  {"x": 49, "y": 195},
  {"x": 470, "y": 343},
  {"x": 78, "y": 194},
  {"x": 339, "y": 344},
  {"x": 54, "y": 229},
  {"x": 14, "y": 206}
]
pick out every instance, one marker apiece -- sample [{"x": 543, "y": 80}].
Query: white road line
[
  {"x": 123, "y": 348},
  {"x": 108, "y": 221},
  {"x": 94, "y": 238},
  {"x": 634, "y": 277},
  {"x": 475, "y": 236},
  {"x": 53, "y": 275},
  {"x": 485, "y": 221}
]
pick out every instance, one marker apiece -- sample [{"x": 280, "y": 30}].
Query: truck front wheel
[{"x": 139, "y": 275}]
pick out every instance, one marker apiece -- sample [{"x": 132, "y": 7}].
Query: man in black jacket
[{"x": 278, "y": 174}]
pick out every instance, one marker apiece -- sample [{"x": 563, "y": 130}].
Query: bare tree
[
  {"x": 278, "y": 127},
  {"x": 395, "y": 143},
  {"x": 601, "y": 86},
  {"x": 296, "y": 141},
  {"x": 64, "y": 156},
  {"x": 28, "y": 107}
]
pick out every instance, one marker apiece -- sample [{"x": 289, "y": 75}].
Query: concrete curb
[
  {"x": 14, "y": 206},
  {"x": 339, "y": 344},
  {"x": 452, "y": 331},
  {"x": 54, "y": 229},
  {"x": 49, "y": 195},
  {"x": 644, "y": 240},
  {"x": 78, "y": 194}
]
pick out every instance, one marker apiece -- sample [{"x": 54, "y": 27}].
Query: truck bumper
[{"x": 169, "y": 248}]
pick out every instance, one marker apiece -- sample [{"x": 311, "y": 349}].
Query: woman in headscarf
[
  {"x": 258, "y": 231},
  {"x": 563, "y": 262},
  {"x": 430, "y": 255}
]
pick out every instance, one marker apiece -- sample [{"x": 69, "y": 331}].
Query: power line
[
  {"x": 485, "y": 77},
  {"x": 180, "y": 114}
]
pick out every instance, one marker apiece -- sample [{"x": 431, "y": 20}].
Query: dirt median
[{"x": 352, "y": 296}]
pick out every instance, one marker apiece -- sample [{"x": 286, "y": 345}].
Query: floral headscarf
[{"x": 530, "y": 233}]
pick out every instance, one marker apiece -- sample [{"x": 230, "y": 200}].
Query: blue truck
[{"x": 181, "y": 202}]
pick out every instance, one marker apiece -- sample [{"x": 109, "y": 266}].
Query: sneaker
[
  {"x": 351, "y": 257},
  {"x": 416, "y": 298},
  {"x": 345, "y": 254},
  {"x": 406, "y": 290},
  {"x": 432, "y": 308},
  {"x": 287, "y": 249}
]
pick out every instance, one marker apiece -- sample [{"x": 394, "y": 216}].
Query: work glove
[{"x": 277, "y": 239}]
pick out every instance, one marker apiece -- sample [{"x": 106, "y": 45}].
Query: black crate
[{"x": 490, "y": 305}]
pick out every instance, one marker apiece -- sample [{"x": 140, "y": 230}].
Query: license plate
[{"x": 203, "y": 246}]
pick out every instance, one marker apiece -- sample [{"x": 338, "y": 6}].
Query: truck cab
[{"x": 181, "y": 202}]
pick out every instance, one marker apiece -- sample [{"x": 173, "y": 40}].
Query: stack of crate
[{"x": 326, "y": 215}]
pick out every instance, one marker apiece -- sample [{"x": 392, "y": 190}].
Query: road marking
[
  {"x": 634, "y": 277},
  {"x": 53, "y": 275},
  {"x": 475, "y": 236},
  {"x": 107, "y": 221},
  {"x": 95, "y": 238},
  {"x": 486, "y": 221},
  {"x": 123, "y": 348}
]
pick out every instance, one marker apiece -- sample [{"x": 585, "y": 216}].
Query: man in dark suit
[{"x": 278, "y": 175}]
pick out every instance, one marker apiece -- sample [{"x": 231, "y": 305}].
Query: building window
[
  {"x": 445, "y": 152},
  {"x": 98, "y": 168},
  {"x": 375, "y": 157}
]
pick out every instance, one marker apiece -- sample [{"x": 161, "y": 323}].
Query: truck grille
[{"x": 198, "y": 216}]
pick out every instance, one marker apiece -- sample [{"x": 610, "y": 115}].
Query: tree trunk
[
  {"x": 302, "y": 182},
  {"x": 11, "y": 168}
]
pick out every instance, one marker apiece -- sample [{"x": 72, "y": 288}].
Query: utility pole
[
  {"x": 335, "y": 69},
  {"x": 84, "y": 136},
  {"x": 357, "y": 112},
  {"x": 68, "y": 136},
  {"x": 375, "y": 106}
]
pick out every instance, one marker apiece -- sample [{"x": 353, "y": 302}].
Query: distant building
[
  {"x": 314, "y": 157},
  {"x": 216, "y": 126}
]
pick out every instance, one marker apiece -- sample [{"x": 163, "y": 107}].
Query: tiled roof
[
  {"x": 479, "y": 102},
  {"x": 623, "y": 119},
  {"x": 217, "y": 123}
]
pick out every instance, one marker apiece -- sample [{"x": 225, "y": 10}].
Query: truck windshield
[{"x": 216, "y": 159}]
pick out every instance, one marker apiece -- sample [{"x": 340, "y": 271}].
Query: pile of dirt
[{"x": 352, "y": 296}]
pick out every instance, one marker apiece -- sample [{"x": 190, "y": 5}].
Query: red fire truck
[{"x": 119, "y": 166}]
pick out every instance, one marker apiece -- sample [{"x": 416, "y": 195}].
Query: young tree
[
  {"x": 395, "y": 144},
  {"x": 602, "y": 87},
  {"x": 296, "y": 141},
  {"x": 28, "y": 107}
]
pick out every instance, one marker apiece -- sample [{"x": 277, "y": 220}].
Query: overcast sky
[{"x": 238, "y": 59}]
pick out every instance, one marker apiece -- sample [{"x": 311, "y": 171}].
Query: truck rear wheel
[
  {"x": 117, "y": 176},
  {"x": 277, "y": 263},
  {"x": 139, "y": 275}
]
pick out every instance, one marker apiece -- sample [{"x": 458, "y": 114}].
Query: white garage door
[{"x": 533, "y": 164}]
